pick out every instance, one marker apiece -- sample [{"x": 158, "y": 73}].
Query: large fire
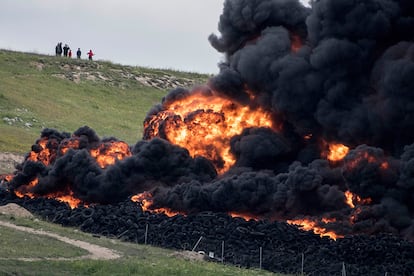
[
  {"x": 341, "y": 163},
  {"x": 310, "y": 225},
  {"x": 319, "y": 226},
  {"x": 46, "y": 151},
  {"x": 64, "y": 196},
  {"x": 204, "y": 125}
]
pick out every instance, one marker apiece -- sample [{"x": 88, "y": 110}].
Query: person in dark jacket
[
  {"x": 58, "y": 49},
  {"x": 78, "y": 53},
  {"x": 65, "y": 50}
]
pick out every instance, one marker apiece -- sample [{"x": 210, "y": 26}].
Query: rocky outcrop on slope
[
  {"x": 121, "y": 75},
  {"x": 8, "y": 161}
]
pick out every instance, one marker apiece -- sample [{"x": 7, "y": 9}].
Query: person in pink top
[{"x": 90, "y": 54}]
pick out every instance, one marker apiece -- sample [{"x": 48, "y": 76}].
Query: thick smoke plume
[
  {"x": 337, "y": 72},
  {"x": 152, "y": 163},
  {"x": 340, "y": 71}
]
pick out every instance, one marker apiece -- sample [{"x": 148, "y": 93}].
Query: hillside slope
[
  {"x": 39, "y": 91},
  {"x": 36, "y": 247}
]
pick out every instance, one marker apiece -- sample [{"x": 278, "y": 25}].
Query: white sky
[{"x": 169, "y": 34}]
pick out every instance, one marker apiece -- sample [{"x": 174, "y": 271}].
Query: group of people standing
[{"x": 67, "y": 52}]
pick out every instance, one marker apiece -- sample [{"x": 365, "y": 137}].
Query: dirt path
[{"x": 96, "y": 252}]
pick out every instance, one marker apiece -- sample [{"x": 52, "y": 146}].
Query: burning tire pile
[
  {"x": 309, "y": 123},
  {"x": 277, "y": 247}
]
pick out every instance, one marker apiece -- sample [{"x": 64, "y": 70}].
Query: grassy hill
[
  {"x": 40, "y": 91},
  {"x": 136, "y": 259}
]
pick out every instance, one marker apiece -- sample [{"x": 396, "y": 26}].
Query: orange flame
[
  {"x": 385, "y": 165},
  {"x": 25, "y": 190},
  {"x": 45, "y": 155},
  {"x": 309, "y": 225},
  {"x": 62, "y": 196},
  {"x": 295, "y": 43},
  {"x": 351, "y": 200},
  {"x": 6, "y": 177},
  {"x": 68, "y": 198},
  {"x": 308, "y": 136},
  {"x": 67, "y": 144},
  {"x": 365, "y": 156},
  {"x": 243, "y": 216},
  {"x": 108, "y": 153},
  {"x": 105, "y": 154},
  {"x": 337, "y": 152},
  {"x": 354, "y": 217},
  {"x": 146, "y": 201},
  {"x": 205, "y": 124}
]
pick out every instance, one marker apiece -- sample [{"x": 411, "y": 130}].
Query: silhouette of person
[
  {"x": 65, "y": 50},
  {"x": 78, "y": 53},
  {"x": 58, "y": 49},
  {"x": 90, "y": 54},
  {"x": 70, "y": 53}
]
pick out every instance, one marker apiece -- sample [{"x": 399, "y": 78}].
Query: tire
[{"x": 87, "y": 212}]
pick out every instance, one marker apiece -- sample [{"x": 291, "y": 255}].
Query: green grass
[
  {"x": 136, "y": 259},
  {"x": 38, "y": 91},
  {"x": 18, "y": 244}
]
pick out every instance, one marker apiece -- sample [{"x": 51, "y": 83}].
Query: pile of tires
[{"x": 274, "y": 246}]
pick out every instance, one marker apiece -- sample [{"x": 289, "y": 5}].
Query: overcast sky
[{"x": 154, "y": 33}]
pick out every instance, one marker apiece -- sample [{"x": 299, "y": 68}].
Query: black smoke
[
  {"x": 153, "y": 163},
  {"x": 350, "y": 81}
]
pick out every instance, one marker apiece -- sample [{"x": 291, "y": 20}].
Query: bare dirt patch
[{"x": 12, "y": 209}]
